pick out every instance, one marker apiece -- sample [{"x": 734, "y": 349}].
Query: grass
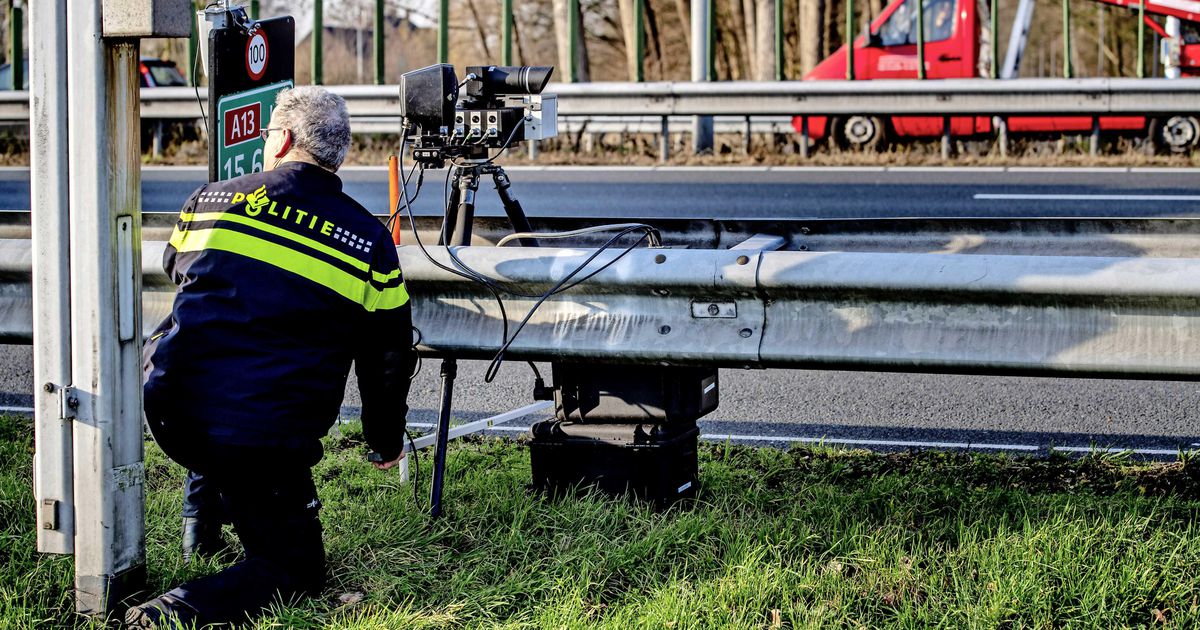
[{"x": 810, "y": 537}]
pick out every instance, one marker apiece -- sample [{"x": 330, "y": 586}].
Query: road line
[
  {"x": 904, "y": 443},
  {"x": 945, "y": 169},
  {"x": 7, "y": 409},
  {"x": 1138, "y": 451},
  {"x": 1073, "y": 197},
  {"x": 1068, "y": 169},
  {"x": 793, "y": 439}
]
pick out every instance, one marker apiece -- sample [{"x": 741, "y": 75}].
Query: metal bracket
[
  {"x": 48, "y": 514},
  {"x": 68, "y": 403}
]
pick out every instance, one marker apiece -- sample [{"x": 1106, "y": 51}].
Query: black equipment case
[{"x": 657, "y": 463}]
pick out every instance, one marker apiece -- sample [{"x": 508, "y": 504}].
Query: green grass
[{"x": 828, "y": 538}]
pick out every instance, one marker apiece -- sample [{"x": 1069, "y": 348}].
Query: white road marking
[
  {"x": 7, "y": 409},
  {"x": 1073, "y": 197},
  {"x": 1138, "y": 451},
  {"x": 849, "y": 441}
]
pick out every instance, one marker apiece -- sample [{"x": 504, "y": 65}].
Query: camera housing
[{"x": 502, "y": 105}]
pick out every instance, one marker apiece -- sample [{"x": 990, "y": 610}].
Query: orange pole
[{"x": 394, "y": 196}]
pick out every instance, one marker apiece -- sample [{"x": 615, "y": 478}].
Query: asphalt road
[
  {"x": 758, "y": 192},
  {"x": 876, "y": 410}
]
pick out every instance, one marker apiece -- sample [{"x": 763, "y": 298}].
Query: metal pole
[
  {"x": 702, "y": 127},
  {"x": 573, "y": 40},
  {"x": 1141, "y": 45},
  {"x": 711, "y": 35},
  {"x": 1002, "y": 135},
  {"x": 318, "y": 42},
  {"x": 1094, "y": 144},
  {"x": 920, "y": 39},
  {"x": 193, "y": 51},
  {"x": 443, "y": 48},
  {"x": 778, "y": 40},
  {"x": 995, "y": 22},
  {"x": 53, "y": 469},
  {"x": 254, "y": 9},
  {"x": 804, "y": 137},
  {"x": 947, "y": 143},
  {"x": 106, "y": 328},
  {"x": 664, "y": 141},
  {"x": 850, "y": 38},
  {"x": 380, "y": 66},
  {"x": 16, "y": 54},
  {"x": 1066, "y": 39},
  {"x": 639, "y": 40},
  {"x": 506, "y": 43}
]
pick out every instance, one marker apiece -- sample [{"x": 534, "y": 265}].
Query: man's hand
[{"x": 386, "y": 465}]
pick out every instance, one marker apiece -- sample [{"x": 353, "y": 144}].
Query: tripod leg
[
  {"x": 465, "y": 216},
  {"x": 512, "y": 207},
  {"x": 451, "y": 217},
  {"x": 449, "y": 371}
]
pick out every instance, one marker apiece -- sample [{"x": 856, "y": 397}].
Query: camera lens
[{"x": 513, "y": 79}]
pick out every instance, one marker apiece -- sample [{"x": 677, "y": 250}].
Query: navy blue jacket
[{"x": 283, "y": 281}]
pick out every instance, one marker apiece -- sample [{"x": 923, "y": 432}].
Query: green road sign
[{"x": 240, "y": 118}]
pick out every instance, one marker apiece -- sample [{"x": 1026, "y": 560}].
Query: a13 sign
[{"x": 240, "y": 118}]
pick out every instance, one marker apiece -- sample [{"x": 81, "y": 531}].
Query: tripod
[{"x": 456, "y": 231}]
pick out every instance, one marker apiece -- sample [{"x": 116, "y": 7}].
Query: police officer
[{"x": 283, "y": 282}]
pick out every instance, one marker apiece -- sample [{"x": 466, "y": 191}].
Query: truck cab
[{"x": 957, "y": 46}]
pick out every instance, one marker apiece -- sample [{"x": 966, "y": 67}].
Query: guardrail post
[
  {"x": 748, "y": 137},
  {"x": 16, "y": 50},
  {"x": 664, "y": 141},
  {"x": 702, "y": 126},
  {"x": 850, "y": 38},
  {"x": 946, "y": 139},
  {"x": 506, "y": 44},
  {"x": 804, "y": 137},
  {"x": 533, "y": 149},
  {"x": 1094, "y": 144},
  {"x": 1066, "y": 39},
  {"x": 380, "y": 22},
  {"x": 1141, "y": 40},
  {"x": 156, "y": 142},
  {"x": 920, "y": 39},
  {"x": 1002, "y": 135},
  {"x": 443, "y": 45},
  {"x": 317, "y": 39}
]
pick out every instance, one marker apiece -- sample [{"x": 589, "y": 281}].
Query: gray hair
[{"x": 319, "y": 123}]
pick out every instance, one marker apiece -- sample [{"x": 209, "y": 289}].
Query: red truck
[{"x": 956, "y": 47}]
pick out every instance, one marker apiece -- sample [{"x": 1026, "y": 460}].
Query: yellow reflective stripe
[
  {"x": 176, "y": 238},
  {"x": 292, "y": 236},
  {"x": 341, "y": 282},
  {"x": 277, "y": 231}
]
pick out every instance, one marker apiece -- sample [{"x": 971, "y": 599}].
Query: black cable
[
  {"x": 416, "y": 476},
  {"x": 536, "y": 373}
]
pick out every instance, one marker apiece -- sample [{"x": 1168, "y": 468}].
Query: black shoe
[
  {"x": 202, "y": 537},
  {"x": 161, "y": 612}
]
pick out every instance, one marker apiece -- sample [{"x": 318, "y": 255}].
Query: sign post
[{"x": 249, "y": 64}]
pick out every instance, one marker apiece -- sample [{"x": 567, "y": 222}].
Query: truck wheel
[
  {"x": 859, "y": 133},
  {"x": 1177, "y": 134}
]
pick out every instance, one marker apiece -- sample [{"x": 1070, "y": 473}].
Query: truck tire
[
  {"x": 859, "y": 133},
  {"x": 1175, "y": 135}
]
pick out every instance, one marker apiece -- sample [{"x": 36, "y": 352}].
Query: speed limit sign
[{"x": 257, "y": 54}]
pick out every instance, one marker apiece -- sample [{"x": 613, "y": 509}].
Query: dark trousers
[{"x": 269, "y": 497}]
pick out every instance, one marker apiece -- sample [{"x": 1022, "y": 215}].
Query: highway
[
  {"x": 868, "y": 409},
  {"x": 757, "y": 192}
]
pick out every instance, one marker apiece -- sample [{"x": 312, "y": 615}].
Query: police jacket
[{"x": 283, "y": 282}]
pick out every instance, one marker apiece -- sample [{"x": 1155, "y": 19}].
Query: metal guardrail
[
  {"x": 1098, "y": 297},
  {"x": 1084, "y": 97}
]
